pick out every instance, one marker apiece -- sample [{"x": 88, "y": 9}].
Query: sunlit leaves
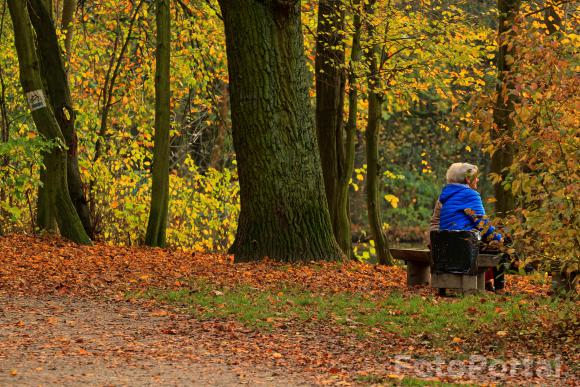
[
  {"x": 393, "y": 200},
  {"x": 544, "y": 175}
]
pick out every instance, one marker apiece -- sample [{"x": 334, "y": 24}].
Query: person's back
[
  {"x": 459, "y": 206},
  {"x": 455, "y": 199}
]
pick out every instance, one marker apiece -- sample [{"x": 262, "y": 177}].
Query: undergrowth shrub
[{"x": 203, "y": 207}]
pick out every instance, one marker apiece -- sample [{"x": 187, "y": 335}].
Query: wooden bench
[{"x": 419, "y": 271}]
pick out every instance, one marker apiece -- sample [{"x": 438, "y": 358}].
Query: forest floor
[{"x": 103, "y": 315}]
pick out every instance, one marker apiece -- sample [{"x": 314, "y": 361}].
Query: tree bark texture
[
  {"x": 45, "y": 210},
  {"x": 59, "y": 94},
  {"x": 284, "y": 214},
  {"x": 372, "y": 133},
  {"x": 332, "y": 141},
  {"x": 4, "y": 122},
  {"x": 157, "y": 225},
  {"x": 30, "y": 77},
  {"x": 67, "y": 24},
  {"x": 351, "y": 125},
  {"x": 504, "y": 107},
  {"x": 48, "y": 4},
  {"x": 217, "y": 151}
]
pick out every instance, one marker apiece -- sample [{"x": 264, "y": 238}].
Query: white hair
[{"x": 459, "y": 172}]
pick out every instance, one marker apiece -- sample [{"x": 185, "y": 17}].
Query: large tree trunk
[
  {"x": 156, "y": 228},
  {"x": 30, "y": 77},
  {"x": 504, "y": 106},
  {"x": 284, "y": 213},
  {"x": 372, "y": 133},
  {"x": 330, "y": 84},
  {"x": 61, "y": 102}
]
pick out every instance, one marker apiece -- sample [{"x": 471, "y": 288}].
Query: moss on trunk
[
  {"x": 67, "y": 218},
  {"x": 54, "y": 72}
]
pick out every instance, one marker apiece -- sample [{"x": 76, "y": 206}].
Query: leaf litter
[{"x": 320, "y": 352}]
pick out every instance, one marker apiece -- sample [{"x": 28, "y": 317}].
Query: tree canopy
[{"x": 294, "y": 130}]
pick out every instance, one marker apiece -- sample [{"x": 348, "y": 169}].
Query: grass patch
[
  {"x": 436, "y": 319},
  {"x": 414, "y": 382},
  {"x": 405, "y": 382}
]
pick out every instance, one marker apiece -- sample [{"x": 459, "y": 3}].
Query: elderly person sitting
[{"x": 460, "y": 208}]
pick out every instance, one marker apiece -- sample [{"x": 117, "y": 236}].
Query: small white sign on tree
[{"x": 36, "y": 100}]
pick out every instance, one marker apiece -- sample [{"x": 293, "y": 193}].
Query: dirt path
[{"x": 64, "y": 341}]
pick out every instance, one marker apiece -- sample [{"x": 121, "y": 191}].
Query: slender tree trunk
[
  {"x": 110, "y": 82},
  {"x": 4, "y": 123},
  {"x": 30, "y": 77},
  {"x": 503, "y": 122},
  {"x": 357, "y": 198},
  {"x": 67, "y": 24},
  {"x": 157, "y": 226},
  {"x": 351, "y": 126},
  {"x": 372, "y": 133},
  {"x": 107, "y": 94},
  {"x": 284, "y": 213},
  {"x": 179, "y": 145},
  {"x": 330, "y": 90},
  {"x": 217, "y": 152},
  {"x": 59, "y": 94}
]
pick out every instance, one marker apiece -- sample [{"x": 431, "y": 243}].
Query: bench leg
[
  {"x": 418, "y": 274},
  {"x": 481, "y": 281},
  {"x": 466, "y": 283},
  {"x": 469, "y": 284}
]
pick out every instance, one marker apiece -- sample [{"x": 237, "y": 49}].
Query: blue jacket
[{"x": 455, "y": 200}]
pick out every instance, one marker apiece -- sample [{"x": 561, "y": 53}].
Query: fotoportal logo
[{"x": 478, "y": 366}]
